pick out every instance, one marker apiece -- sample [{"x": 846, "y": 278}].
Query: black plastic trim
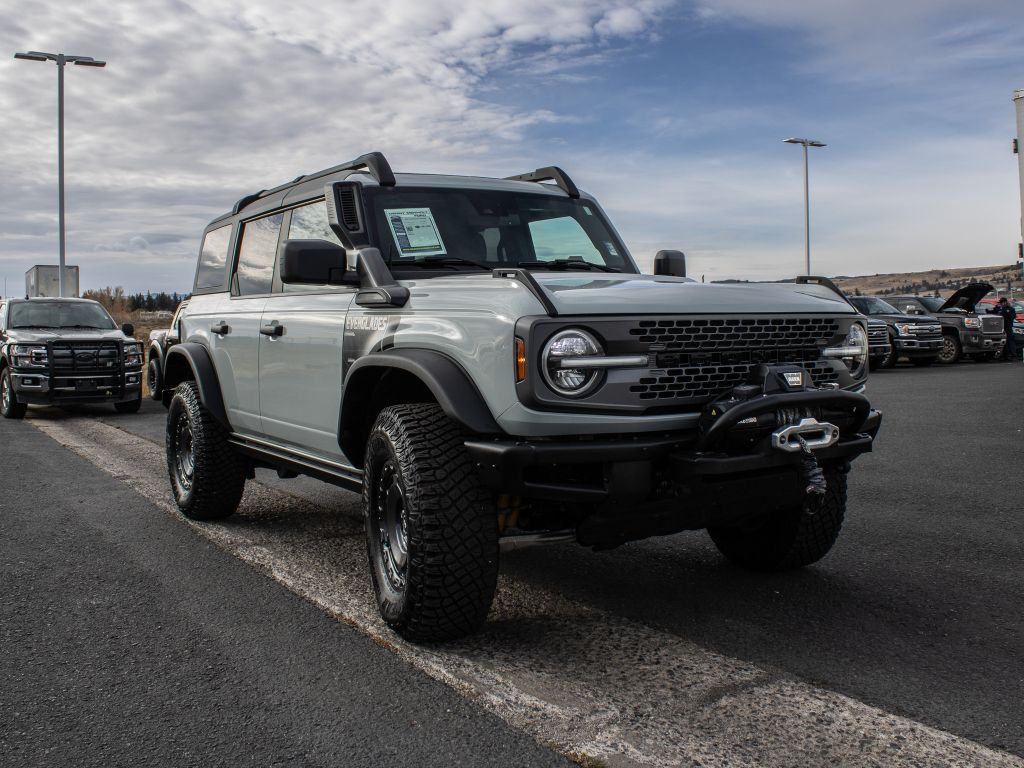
[
  {"x": 550, "y": 173},
  {"x": 197, "y": 358},
  {"x": 526, "y": 278}
]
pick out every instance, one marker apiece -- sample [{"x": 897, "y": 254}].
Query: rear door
[
  {"x": 301, "y": 369},
  {"x": 235, "y": 328}
]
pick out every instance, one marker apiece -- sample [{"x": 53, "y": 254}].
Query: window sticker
[
  {"x": 610, "y": 248},
  {"x": 586, "y": 210},
  {"x": 415, "y": 231}
]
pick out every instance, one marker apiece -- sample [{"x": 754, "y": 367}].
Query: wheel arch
[
  {"x": 399, "y": 376},
  {"x": 191, "y": 362}
]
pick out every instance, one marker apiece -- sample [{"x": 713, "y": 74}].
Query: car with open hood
[
  {"x": 484, "y": 362},
  {"x": 66, "y": 352},
  {"x": 915, "y": 337},
  {"x": 965, "y": 332}
]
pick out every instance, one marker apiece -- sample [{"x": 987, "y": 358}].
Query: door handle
[
  {"x": 272, "y": 329},
  {"x": 220, "y": 328}
]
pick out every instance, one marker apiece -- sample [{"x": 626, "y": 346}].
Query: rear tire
[
  {"x": 951, "y": 350},
  {"x": 10, "y": 408},
  {"x": 207, "y": 475},
  {"x": 789, "y": 538},
  {"x": 154, "y": 377},
  {"x": 431, "y": 528},
  {"x": 922, "y": 362}
]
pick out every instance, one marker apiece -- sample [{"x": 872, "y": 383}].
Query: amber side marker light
[{"x": 520, "y": 360}]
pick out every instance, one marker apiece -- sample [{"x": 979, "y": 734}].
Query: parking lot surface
[{"x": 903, "y": 646}]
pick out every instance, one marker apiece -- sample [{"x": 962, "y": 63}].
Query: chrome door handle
[
  {"x": 272, "y": 329},
  {"x": 220, "y": 328}
]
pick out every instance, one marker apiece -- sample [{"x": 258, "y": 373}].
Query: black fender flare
[
  {"x": 447, "y": 381},
  {"x": 191, "y": 361}
]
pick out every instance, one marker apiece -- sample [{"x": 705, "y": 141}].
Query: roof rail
[
  {"x": 823, "y": 281},
  {"x": 551, "y": 173},
  {"x": 374, "y": 162}
]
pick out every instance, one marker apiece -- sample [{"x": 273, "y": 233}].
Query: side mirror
[
  {"x": 315, "y": 262},
  {"x": 128, "y": 329},
  {"x": 672, "y": 263}
]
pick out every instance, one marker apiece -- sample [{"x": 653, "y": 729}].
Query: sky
[{"x": 671, "y": 113}]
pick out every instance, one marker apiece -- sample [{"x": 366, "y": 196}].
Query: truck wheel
[
  {"x": 789, "y": 538},
  {"x": 923, "y": 362},
  {"x": 154, "y": 378},
  {"x": 207, "y": 475},
  {"x": 131, "y": 406},
  {"x": 950, "y": 351},
  {"x": 10, "y": 408},
  {"x": 889, "y": 361},
  {"x": 431, "y": 528}
]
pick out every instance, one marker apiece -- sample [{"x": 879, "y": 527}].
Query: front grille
[
  {"x": 878, "y": 334},
  {"x": 992, "y": 323},
  {"x": 78, "y": 364},
  {"x": 699, "y": 359},
  {"x": 926, "y": 329}
]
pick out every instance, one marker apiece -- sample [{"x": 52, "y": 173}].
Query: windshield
[
  {"x": 872, "y": 306},
  {"x": 471, "y": 228},
  {"x": 933, "y": 303},
  {"x": 59, "y": 314}
]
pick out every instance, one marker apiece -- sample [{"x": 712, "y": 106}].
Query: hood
[
  {"x": 41, "y": 336},
  {"x": 967, "y": 297},
  {"x": 591, "y": 293}
]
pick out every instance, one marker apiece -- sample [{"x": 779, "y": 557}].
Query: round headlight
[
  {"x": 857, "y": 338},
  {"x": 556, "y": 362}
]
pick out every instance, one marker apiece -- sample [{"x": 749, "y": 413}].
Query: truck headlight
[
  {"x": 853, "y": 351},
  {"x": 30, "y": 356},
  {"x": 972, "y": 322},
  {"x": 902, "y": 329},
  {"x": 132, "y": 354},
  {"x": 556, "y": 362}
]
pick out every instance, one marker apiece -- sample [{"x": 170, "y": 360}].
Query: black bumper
[
  {"x": 632, "y": 469},
  {"x": 912, "y": 347}
]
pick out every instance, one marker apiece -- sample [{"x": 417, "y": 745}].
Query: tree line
[{"x": 118, "y": 302}]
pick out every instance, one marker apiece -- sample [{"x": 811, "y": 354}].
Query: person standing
[{"x": 1004, "y": 308}]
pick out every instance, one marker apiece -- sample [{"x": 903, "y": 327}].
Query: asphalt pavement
[{"x": 915, "y": 613}]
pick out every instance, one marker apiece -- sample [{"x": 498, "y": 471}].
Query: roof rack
[
  {"x": 551, "y": 173},
  {"x": 374, "y": 162}
]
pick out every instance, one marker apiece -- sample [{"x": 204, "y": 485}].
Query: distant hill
[{"x": 942, "y": 282}]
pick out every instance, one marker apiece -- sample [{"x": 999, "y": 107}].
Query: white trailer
[{"x": 44, "y": 280}]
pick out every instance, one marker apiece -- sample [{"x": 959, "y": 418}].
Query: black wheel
[
  {"x": 207, "y": 475},
  {"x": 431, "y": 529},
  {"x": 10, "y": 408},
  {"x": 154, "y": 377},
  {"x": 788, "y": 538},
  {"x": 131, "y": 406},
  {"x": 950, "y": 351},
  {"x": 923, "y": 362},
  {"x": 889, "y": 361}
]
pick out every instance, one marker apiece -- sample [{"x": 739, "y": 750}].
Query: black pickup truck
[
  {"x": 915, "y": 337},
  {"x": 965, "y": 333}
]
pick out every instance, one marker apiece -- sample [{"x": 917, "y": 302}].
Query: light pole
[
  {"x": 60, "y": 59},
  {"x": 805, "y": 143}
]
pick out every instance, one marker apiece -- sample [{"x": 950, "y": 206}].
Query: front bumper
[
  {"x": 982, "y": 342},
  {"x": 637, "y": 470},
  {"x": 909, "y": 346},
  {"x": 35, "y": 388}
]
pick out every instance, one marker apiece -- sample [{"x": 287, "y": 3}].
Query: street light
[
  {"x": 60, "y": 59},
  {"x": 805, "y": 143}
]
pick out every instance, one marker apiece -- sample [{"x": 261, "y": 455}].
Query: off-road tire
[
  {"x": 951, "y": 350},
  {"x": 444, "y": 518},
  {"x": 10, "y": 408},
  {"x": 154, "y": 377},
  {"x": 923, "y": 362},
  {"x": 213, "y": 490},
  {"x": 790, "y": 538},
  {"x": 129, "y": 406}
]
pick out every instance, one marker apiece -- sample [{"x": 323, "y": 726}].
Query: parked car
[
  {"x": 483, "y": 361},
  {"x": 1018, "y": 335},
  {"x": 161, "y": 340},
  {"x": 984, "y": 305},
  {"x": 915, "y": 337},
  {"x": 63, "y": 352},
  {"x": 879, "y": 346},
  {"x": 965, "y": 333}
]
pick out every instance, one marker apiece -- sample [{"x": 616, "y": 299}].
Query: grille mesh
[
  {"x": 733, "y": 333},
  {"x": 102, "y": 357}
]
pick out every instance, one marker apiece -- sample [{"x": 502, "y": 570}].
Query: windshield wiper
[
  {"x": 438, "y": 261},
  {"x": 88, "y": 327},
  {"x": 565, "y": 264},
  {"x": 28, "y": 327}
]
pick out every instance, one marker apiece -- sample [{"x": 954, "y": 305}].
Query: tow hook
[{"x": 801, "y": 439}]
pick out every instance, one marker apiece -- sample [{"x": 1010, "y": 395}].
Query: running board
[{"x": 278, "y": 457}]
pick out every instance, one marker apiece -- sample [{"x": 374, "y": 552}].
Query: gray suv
[
  {"x": 64, "y": 352},
  {"x": 482, "y": 360}
]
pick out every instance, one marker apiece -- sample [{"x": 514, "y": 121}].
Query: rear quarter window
[{"x": 213, "y": 258}]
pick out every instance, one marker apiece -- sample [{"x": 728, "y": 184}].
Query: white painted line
[{"x": 583, "y": 681}]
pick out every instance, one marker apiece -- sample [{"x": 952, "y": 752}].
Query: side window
[
  {"x": 310, "y": 223},
  {"x": 255, "y": 271},
  {"x": 213, "y": 258},
  {"x": 564, "y": 238}
]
